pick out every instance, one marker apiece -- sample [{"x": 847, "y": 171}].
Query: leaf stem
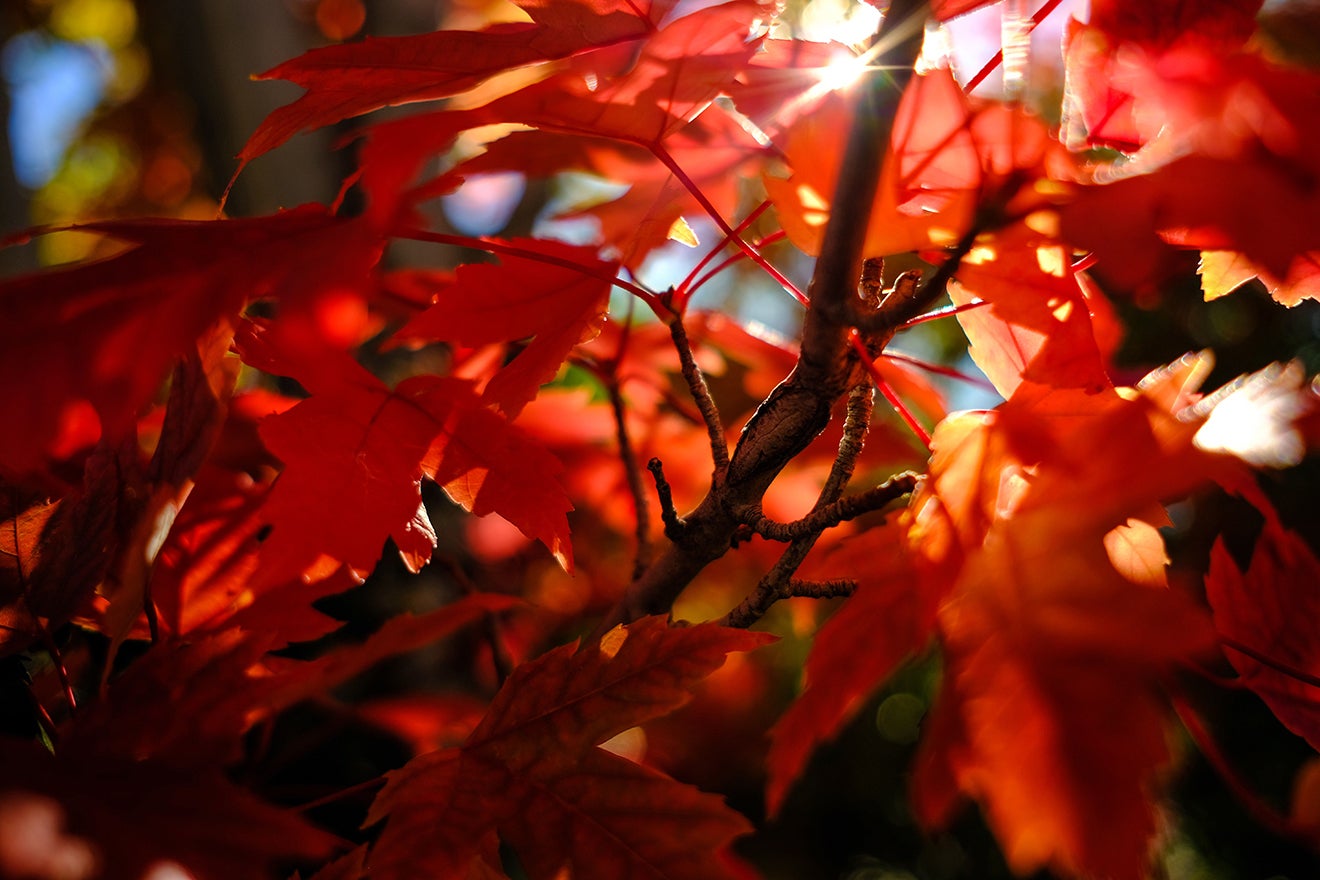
[
  {"x": 628, "y": 459},
  {"x": 889, "y": 394},
  {"x": 686, "y": 285},
  {"x": 343, "y": 794},
  {"x": 998, "y": 57},
  {"x": 1265, "y": 660},
  {"x": 669, "y": 162},
  {"x": 498, "y": 247},
  {"x": 938, "y": 369},
  {"x": 946, "y": 312},
  {"x": 731, "y": 260}
]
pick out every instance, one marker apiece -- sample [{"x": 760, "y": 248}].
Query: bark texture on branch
[{"x": 799, "y": 408}]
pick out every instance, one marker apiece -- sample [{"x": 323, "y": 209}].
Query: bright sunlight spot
[{"x": 842, "y": 72}]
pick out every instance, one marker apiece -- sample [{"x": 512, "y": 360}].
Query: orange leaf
[
  {"x": 519, "y": 298},
  {"x": 355, "y": 453},
  {"x": 1222, "y": 272},
  {"x": 532, "y": 772}
]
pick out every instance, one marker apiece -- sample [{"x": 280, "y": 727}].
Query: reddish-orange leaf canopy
[
  {"x": 355, "y": 453},
  {"x": 106, "y": 332},
  {"x": 531, "y": 771},
  {"x": 554, "y": 305},
  {"x": 355, "y": 78},
  {"x": 1050, "y": 714}
]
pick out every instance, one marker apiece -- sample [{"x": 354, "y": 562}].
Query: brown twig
[
  {"x": 838, "y": 588},
  {"x": 696, "y": 382},
  {"x": 846, "y": 508},
  {"x": 628, "y": 459},
  {"x": 668, "y": 515},
  {"x": 799, "y": 408},
  {"x": 775, "y": 584}
]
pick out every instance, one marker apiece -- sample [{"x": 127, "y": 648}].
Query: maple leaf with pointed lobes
[
  {"x": 950, "y": 159},
  {"x": 1266, "y": 609},
  {"x": 1230, "y": 171},
  {"x": 554, "y": 305},
  {"x": 355, "y": 453},
  {"x": 1223, "y": 272},
  {"x": 532, "y": 772},
  {"x": 1052, "y": 613},
  {"x": 1038, "y": 328},
  {"x": 1096, "y": 53},
  {"x": 620, "y": 105},
  {"x": 1050, "y": 715},
  {"x": 355, "y": 78},
  {"x": 203, "y": 577},
  {"x": 107, "y": 331}
]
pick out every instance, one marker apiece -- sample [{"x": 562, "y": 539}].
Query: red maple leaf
[
  {"x": 355, "y": 78},
  {"x": 533, "y": 773},
  {"x": 1122, "y": 34},
  {"x": 1266, "y": 613},
  {"x": 950, "y": 157},
  {"x": 1229, "y": 172},
  {"x": 553, "y": 305},
  {"x": 356, "y": 452},
  {"x": 107, "y": 331},
  {"x": 204, "y": 576},
  {"x": 1042, "y": 580},
  {"x": 610, "y": 112},
  {"x": 1039, "y": 327}
]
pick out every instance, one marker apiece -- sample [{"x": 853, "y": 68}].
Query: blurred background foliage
[{"x": 120, "y": 108}]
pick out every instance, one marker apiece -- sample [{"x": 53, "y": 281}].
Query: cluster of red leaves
[{"x": 209, "y": 519}]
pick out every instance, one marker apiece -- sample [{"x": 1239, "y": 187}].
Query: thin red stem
[
  {"x": 938, "y": 369},
  {"x": 880, "y": 383},
  {"x": 946, "y": 312},
  {"x": 724, "y": 241},
  {"x": 499, "y": 247},
  {"x": 343, "y": 793},
  {"x": 663, "y": 155},
  {"x": 1085, "y": 263},
  {"x": 730, "y": 260},
  {"x": 43, "y": 718},
  {"x": 1278, "y": 666},
  {"x": 998, "y": 57},
  {"x": 58, "y": 659}
]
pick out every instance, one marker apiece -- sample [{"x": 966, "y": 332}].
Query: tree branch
[
  {"x": 846, "y": 508},
  {"x": 774, "y": 586},
  {"x": 696, "y": 382},
  {"x": 799, "y": 408},
  {"x": 668, "y": 515}
]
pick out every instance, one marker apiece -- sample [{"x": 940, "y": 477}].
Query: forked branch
[{"x": 799, "y": 408}]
